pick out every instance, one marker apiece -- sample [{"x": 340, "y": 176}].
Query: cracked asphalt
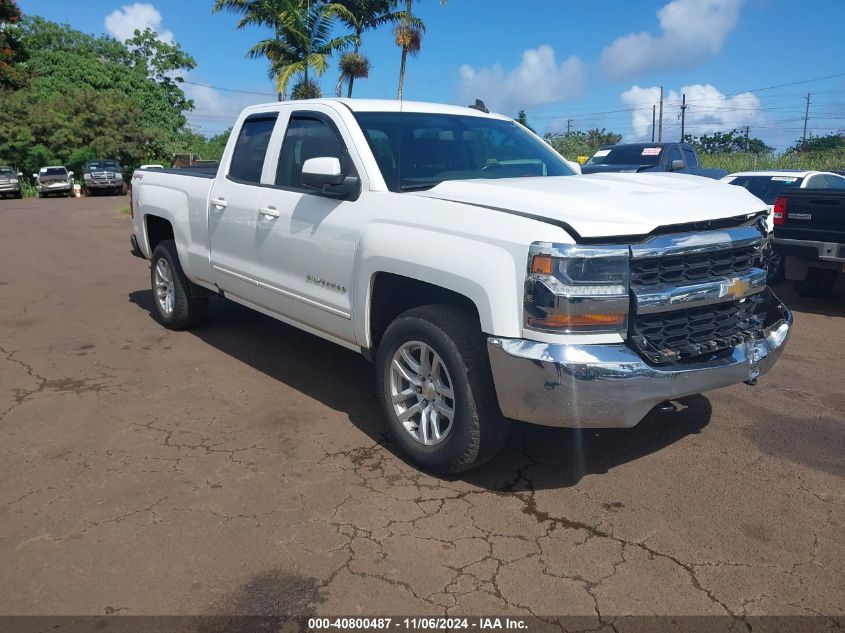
[{"x": 242, "y": 468}]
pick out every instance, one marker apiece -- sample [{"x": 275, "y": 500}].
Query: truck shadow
[
  {"x": 833, "y": 306},
  {"x": 343, "y": 381}
]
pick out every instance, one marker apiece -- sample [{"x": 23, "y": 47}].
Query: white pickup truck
[{"x": 462, "y": 255}]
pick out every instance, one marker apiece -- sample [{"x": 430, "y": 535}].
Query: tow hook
[{"x": 666, "y": 407}]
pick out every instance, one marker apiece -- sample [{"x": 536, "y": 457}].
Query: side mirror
[
  {"x": 324, "y": 174},
  {"x": 676, "y": 165},
  {"x": 20, "y": 174},
  {"x": 70, "y": 173},
  {"x": 35, "y": 176}
]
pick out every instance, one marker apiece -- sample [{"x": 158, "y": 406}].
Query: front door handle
[
  {"x": 220, "y": 203},
  {"x": 270, "y": 212}
]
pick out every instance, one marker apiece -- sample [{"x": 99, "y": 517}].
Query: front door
[{"x": 306, "y": 241}]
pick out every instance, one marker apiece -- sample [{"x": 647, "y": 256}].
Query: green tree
[
  {"x": 83, "y": 96},
  {"x": 302, "y": 35},
  {"x": 361, "y": 16},
  {"x": 11, "y": 50},
  {"x": 522, "y": 119},
  {"x": 574, "y": 144},
  {"x": 832, "y": 141},
  {"x": 727, "y": 143}
]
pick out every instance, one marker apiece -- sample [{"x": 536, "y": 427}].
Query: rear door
[{"x": 233, "y": 209}]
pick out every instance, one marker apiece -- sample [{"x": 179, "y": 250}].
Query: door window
[
  {"x": 835, "y": 182},
  {"x": 251, "y": 148},
  {"x": 817, "y": 182},
  {"x": 308, "y": 137},
  {"x": 690, "y": 156},
  {"x": 674, "y": 154}
]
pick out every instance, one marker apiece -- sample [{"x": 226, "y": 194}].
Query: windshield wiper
[{"x": 418, "y": 186}]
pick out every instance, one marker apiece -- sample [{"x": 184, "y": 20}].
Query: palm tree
[
  {"x": 361, "y": 16},
  {"x": 408, "y": 37},
  {"x": 302, "y": 35}
]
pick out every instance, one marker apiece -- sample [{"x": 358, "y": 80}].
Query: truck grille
[
  {"x": 677, "y": 270},
  {"x": 682, "y": 335}
]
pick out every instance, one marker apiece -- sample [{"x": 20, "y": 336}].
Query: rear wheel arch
[{"x": 158, "y": 230}]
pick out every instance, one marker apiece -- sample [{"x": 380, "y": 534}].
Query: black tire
[
  {"x": 478, "y": 429},
  {"x": 19, "y": 195},
  {"x": 819, "y": 283},
  {"x": 188, "y": 310}
]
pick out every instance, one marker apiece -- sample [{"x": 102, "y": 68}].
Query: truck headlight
[
  {"x": 576, "y": 288},
  {"x": 118, "y": 176},
  {"x": 13, "y": 181},
  {"x": 87, "y": 176}
]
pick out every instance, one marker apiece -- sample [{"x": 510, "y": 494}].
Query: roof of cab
[
  {"x": 797, "y": 173},
  {"x": 388, "y": 105}
]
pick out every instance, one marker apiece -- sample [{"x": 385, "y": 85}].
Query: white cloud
[
  {"x": 215, "y": 110},
  {"x": 122, "y": 23},
  {"x": 708, "y": 110},
  {"x": 537, "y": 80},
  {"x": 691, "y": 30}
]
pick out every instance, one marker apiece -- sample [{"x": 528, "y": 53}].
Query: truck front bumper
[{"x": 607, "y": 386}]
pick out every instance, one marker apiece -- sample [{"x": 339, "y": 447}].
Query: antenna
[{"x": 479, "y": 105}]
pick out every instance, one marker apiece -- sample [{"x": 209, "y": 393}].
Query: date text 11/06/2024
[{"x": 417, "y": 623}]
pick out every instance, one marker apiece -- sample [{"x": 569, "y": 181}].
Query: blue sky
[{"x": 597, "y": 63}]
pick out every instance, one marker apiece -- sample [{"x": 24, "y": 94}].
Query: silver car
[
  {"x": 10, "y": 182},
  {"x": 54, "y": 181}
]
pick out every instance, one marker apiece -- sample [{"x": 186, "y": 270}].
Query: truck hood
[{"x": 605, "y": 205}]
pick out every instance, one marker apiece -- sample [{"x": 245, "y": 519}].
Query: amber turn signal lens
[
  {"x": 568, "y": 321},
  {"x": 542, "y": 264}
]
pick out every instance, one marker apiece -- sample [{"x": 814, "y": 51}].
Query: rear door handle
[
  {"x": 270, "y": 212},
  {"x": 220, "y": 203}
]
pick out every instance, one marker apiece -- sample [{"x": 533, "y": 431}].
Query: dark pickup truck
[
  {"x": 810, "y": 236},
  {"x": 636, "y": 157}
]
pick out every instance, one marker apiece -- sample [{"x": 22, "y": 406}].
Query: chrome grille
[
  {"x": 676, "y": 270},
  {"x": 682, "y": 335}
]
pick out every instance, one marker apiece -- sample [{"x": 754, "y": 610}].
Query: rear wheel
[
  {"x": 436, "y": 389},
  {"x": 175, "y": 305},
  {"x": 818, "y": 283}
]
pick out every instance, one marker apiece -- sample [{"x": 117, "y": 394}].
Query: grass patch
[{"x": 125, "y": 210}]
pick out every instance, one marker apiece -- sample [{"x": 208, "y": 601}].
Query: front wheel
[
  {"x": 175, "y": 306},
  {"x": 436, "y": 389}
]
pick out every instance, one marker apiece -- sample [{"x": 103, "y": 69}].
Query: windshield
[
  {"x": 767, "y": 188},
  {"x": 54, "y": 171},
  {"x": 627, "y": 155},
  {"x": 100, "y": 165},
  {"x": 6, "y": 171},
  {"x": 420, "y": 150}
]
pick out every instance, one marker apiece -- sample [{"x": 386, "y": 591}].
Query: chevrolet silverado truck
[
  {"x": 809, "y": 236},
  {"x": 646, "y": 157},
  {"x": 460, "y": 254},
  {"x": 102, "y": 176},
  {"x": 10, "y": 182},
  {"x": 54, "y": 181}
]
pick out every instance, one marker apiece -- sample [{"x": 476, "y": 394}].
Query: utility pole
[
  {"x": 683, "y": 114},
  {"x": 747, "y": 130},
  {"x": 653, "y": 116},
  {"x": 806, "y": 116},
  {"x": 568, "y": 125},
  {"x": 660, "y": 131}
]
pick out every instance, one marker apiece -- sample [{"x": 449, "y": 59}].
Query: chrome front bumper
[{"x": 606, "y": 386}]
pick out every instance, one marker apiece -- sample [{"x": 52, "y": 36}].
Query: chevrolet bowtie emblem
[{"x": 738, "y": 287}]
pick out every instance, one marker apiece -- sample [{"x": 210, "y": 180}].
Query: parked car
[
  {"x": 10, "y": 182},
  {"x": 54, "y": 181},
  {"x": 810, "y": 236},
  {"x": 102, "y": 175},
  {"x": 767, "y": 185},
  {"x": 460, "y": 253},
  {"x": 645, "y": 157}
]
